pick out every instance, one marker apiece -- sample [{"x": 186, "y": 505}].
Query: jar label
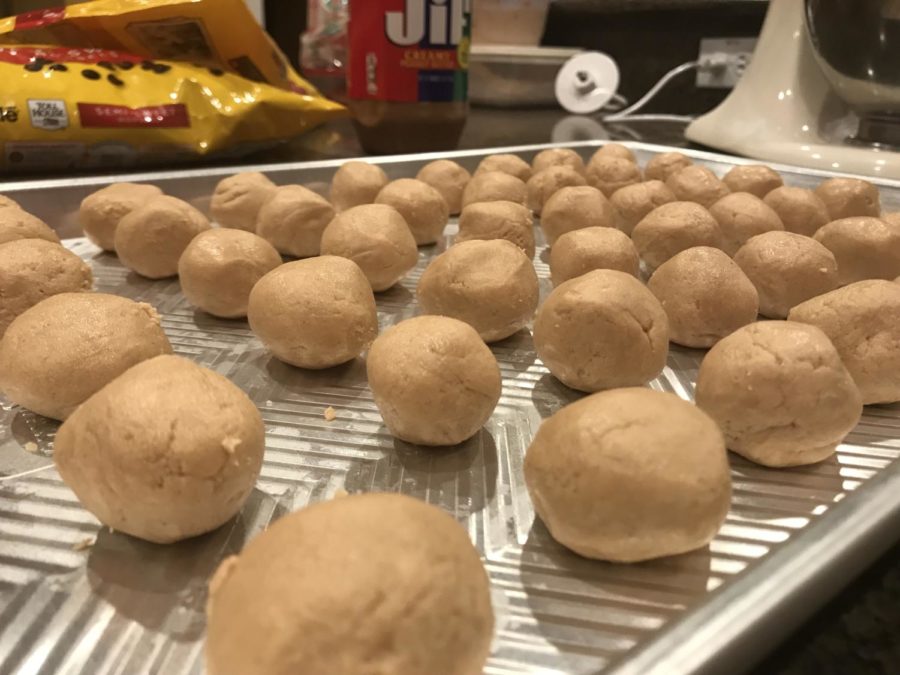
[{"x": 409, "y": 50}]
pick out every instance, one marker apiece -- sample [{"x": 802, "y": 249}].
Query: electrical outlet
[{"x": 738, "y": 53}]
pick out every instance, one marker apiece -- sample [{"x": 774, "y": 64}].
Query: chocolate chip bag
[{"x": 116, "y": 83}]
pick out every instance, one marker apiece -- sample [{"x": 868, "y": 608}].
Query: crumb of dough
[
  {"x": 269, "y": 403},
  {"x": 31, "y": 446},
  {"x": 230, "y": 443},
  {"x": 330, "y": 414},
  {"x": 84, "y": 544}
]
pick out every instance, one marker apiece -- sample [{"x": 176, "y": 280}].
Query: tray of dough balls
[{"x": 539, "y": 410}]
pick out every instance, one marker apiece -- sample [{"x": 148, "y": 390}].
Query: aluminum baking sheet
[{"x": 76, "y": 598}]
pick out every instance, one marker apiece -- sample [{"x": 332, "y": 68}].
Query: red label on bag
[
  {"x": 409, "y": 50},
  {"x": 39, "y": 18},
  {"x": 24, "y": 55},
  {"x": 99, "y": 116}
]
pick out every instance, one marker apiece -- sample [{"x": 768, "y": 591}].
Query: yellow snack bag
[{"x": 124, "y": 82}]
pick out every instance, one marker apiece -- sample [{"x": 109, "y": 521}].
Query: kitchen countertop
[{"x": 857, "y": 632}]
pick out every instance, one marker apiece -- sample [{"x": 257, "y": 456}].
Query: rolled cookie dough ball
[
  {"x": 448, "y": 178},
  {"x": 864, "y": 247},
  {"x": 220, "y": 267},
  {"x": 663, "y": 165},
  {"x": 616, "y": 150},
  {"x": 787, "y": 269},
  {"x": 779, "y": 392},
  {"x": 314, "y": 313},
  {"x": 862, "y": 320},
  {"x": 593, "y": 248},
  {"x": 575, "y": 208},
  {"x": 276, "y": 608},
  {"x": 491, "y": 285},
  {"x": 705, "y": 295},
  {"x": 166, "y": 451},
  {"x": 741, "y": 216},
  {"x": 849, "y": 197},
  {"x": 498, "y": 220},
  {"x": 293, "y": 219},
  {"x": 375, "y": 237},
  {"x": 434, "y": 380},
  {"x": 800, "y": 210},
  {"x": 658, "y": 462},
  {"x": 557, "y": 157},
  {"x": 151, "y": 239},
  {"x": 102, "y": 211},
  {"x": 506, "y": 163},
  {"x": 602, "y": 330},
  {"x": 494, "y": 186},
  {"x": 543, "y": 185},
  {"x": 697, "y": 184},
  {"x": 63, "y": 350},
  {"x": 422, "y": 207},
  {"x": 356, "y": 183},
  {"x": 237, "y": 200},
  {"x": 7, "y": 202},
  {"x": 18, "y": 224},
  {"x": 633, "y": 202},
  {"x": 672, "y": 228},
  {"x": 32, "y": 270},
  {"x": 608, "y": 173},
  {"x": 757, "y": 179}
]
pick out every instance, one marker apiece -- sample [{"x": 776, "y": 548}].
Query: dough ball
[
  {"x": 356, "y": 183},
  {"x": 498, "y": 220},
  {"x": 741, "y": 216},
  {"x": 705, "y": 295},
  {"x": 375, "y": 237},
  {"x": 575, "y": 208},
  {"x": 615, "y": 150},
  {"x": 849, "y": 197},
  {"x": 543, "y": 185},
  {"x": 633, "y": 202},
  {"x": 893, "y": 218},
  {"x": 863, "y": 322},
  {"x": 557, "y": 157},
  {"x": 448, "y": 178},
  {"x": 494, "y": 186},
  {"x": 102, "y": 211},
  {"x": 663, "y": 165},
  {"x": 237, "y": 200},
  {"x": 7, "y": 202},
  {"x": 779, "y": 392},
  {"x": 166, "y": 451},
  {"x": 151, "y": 239},
  {"x": 18, "y": 224},
  {"x": 506, "y": 163},
  {"x": 608, "y": 173},
  {"x": 697, "y": 184},
  {"x": 434, "y": 380},
  {"x": 864, "y": 247},
  {"x": 672, "y": 228},
  {"x": 602, "y": 330},
  {"x": 219, "y": 268},
  {"x": 787, "y": 269},
  {"x": 491, "y": 285},
  {"x": 63, "y": 350},
  {"x": 800, "y": 210},
  {"x": 629, "y": 475},
  {"x": 593, "y": 248},
  {"x": 757, "y": 179},
  {"x": 422, "y": 207},
  {"x": 416, "y": 601},
  {"x": 34, "y": 269},
  {"x": 293, "y": 219},
  {"x": 314, "y": 313}
]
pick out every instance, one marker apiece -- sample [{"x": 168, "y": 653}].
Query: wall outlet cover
[{"x": 739, "y": 52}]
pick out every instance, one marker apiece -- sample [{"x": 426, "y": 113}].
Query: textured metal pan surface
[{"x": 75, "y": 598}]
